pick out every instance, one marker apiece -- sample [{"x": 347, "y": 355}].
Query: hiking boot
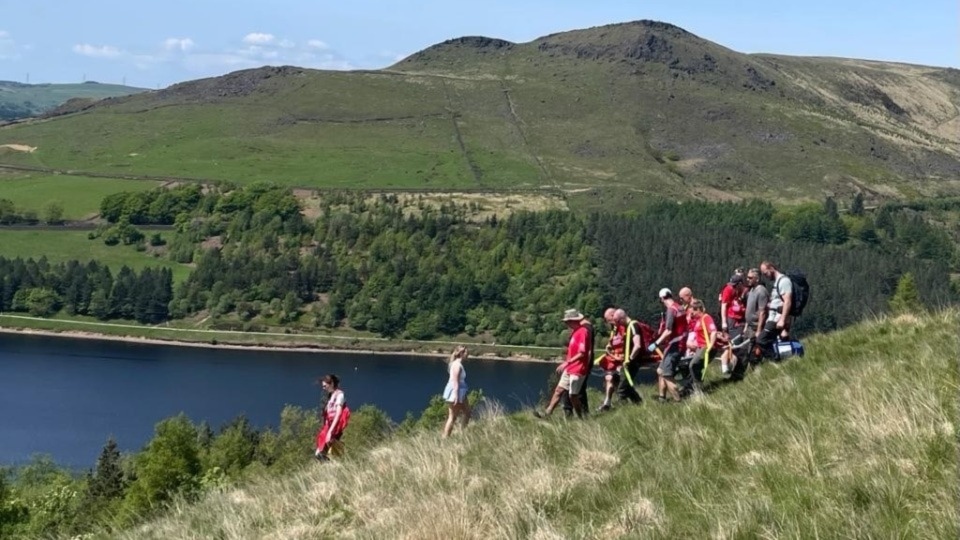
[
  {"x": 604, "y": 407},
  {"x": 539, "y": 414}
]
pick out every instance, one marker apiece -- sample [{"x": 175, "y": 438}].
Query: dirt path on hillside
[{"x": 20, "y": 148}]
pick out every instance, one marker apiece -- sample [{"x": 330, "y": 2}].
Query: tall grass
[{"x": 857, "y": 439}]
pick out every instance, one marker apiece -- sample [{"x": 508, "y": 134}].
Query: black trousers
[
  {"x": 768, "y": 336},
  {"x": 625, "y": 390}
]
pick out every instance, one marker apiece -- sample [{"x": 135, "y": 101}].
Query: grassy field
[
  {"x": 80, "y": 196},
  {"x": 856, "y": 440},
  {"x": 59, "y": 246},
  {"x": 679, "y": 116}
]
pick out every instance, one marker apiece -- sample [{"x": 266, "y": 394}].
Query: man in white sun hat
[{"x": 574, "y": 370}]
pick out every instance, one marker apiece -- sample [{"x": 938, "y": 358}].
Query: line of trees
[
  {"x": 639, "y": 255},
  {"x": 42, "y": 289},
  {"x": 10, "y": 214},
  {"x": 419, "y": 270}
]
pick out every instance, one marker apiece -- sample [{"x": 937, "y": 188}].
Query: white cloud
[
  {"x": 183, "y": 55},
  {"x": 178, "y": 44},
  {"x": 258, "y": 38},
  {"x": 4, "y": 34},
  {"x": 93, "y": 51}
]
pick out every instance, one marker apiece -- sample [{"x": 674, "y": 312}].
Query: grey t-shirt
[
  {"x": 757, "y": 299},
  {"x": 781, "y": 286}
]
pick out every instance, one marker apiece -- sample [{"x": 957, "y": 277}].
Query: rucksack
[
  {"x": 801, "y": 291},
  {"x": 344, "y": 417},
  {"x": 646, "y": 333}
]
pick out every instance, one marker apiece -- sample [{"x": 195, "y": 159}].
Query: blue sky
[{"x": 149, "y": 43}]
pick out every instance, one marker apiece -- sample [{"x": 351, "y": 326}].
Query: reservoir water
[{"x": 64, "y": 397}]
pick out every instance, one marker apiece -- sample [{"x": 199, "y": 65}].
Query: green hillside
[
  {"x": 18, "y": 100},
  {"x": 642, "y": 107},
  {"x": 856, "y": 440}
]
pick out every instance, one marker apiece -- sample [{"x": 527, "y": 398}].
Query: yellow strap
[
  {"x": 599, "y": 358},
  {"x": 706, "y": 338},
  {"x": 629, "y": 342},
  {"x": 627, "y": 351}
]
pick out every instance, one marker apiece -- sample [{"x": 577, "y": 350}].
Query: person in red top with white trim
[
  {"x": 573, "y": 371},
  {"x": 670, "y": 341},
  {"x": 732, "y": 312}
]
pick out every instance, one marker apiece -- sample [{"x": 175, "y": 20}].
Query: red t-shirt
[
  {"x": 697, "y": 329},
  {"x": 578, "y": 343},
  {"x": 730, "y": 297}
]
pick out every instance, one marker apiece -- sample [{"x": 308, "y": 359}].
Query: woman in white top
[
  {"x": 455, "y": 393},
  {"x": 335, "y": 415}
]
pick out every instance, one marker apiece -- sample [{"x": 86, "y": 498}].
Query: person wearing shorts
[
  {"x": 455, "y": 393},
  {"x": 670, "y": 340},
  {"x": 573, "y": 371}
]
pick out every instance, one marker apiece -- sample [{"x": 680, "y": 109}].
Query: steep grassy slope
[
  {"x": 18, "y": 100},
  {"x": 856, "y": 440},
  {"x": 637, "y": 108}
]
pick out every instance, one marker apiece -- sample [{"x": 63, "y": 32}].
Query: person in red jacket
[{"x": 574, "y": 370}]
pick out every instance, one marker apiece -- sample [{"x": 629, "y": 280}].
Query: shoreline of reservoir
[{"x": 227, "y": 340}]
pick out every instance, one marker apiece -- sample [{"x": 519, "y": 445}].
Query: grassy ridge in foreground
[{"x": 858, "y": 439}]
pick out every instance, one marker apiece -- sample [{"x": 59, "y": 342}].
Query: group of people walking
[{"x": 752, "y": 320}]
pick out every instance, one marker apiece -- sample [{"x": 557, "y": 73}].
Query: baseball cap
[
  {"x": 665, "y": 293},
  {"x": 736, "y": 279}
]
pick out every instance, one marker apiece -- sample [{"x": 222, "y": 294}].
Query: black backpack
[{"x": 801, "y": 291}]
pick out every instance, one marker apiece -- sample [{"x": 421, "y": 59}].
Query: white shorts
[{"x": 571, "y": 383}]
